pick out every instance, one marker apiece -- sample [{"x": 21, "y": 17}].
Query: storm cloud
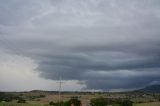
[{"x": 106, "y": 44}]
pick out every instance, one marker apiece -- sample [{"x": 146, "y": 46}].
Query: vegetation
[
  {"x": 7, "y": 97},
  {"x": 98, "y": 102},
  {"x": 21, "y": 100},
  {"x": 73, "y": 101},
  {"x": 40, "y": 98},
  {"x": 126, "y": 103},
  {"x": 107, "y": 101},
  {"x": 148, "y": 104},
  {"x": 52, "y": 103}
]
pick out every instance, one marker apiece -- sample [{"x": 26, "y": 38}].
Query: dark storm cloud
[{"x": 113, "y": 43}]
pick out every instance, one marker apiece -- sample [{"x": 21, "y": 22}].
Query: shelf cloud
[{"x": 99, "y": 44}]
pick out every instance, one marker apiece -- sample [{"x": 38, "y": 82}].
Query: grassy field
[
  {"x": 148, "y": 104},
  {"x": 39, "y": 104},
  {"x": 34, "y": 98},
  {"x": 20, "y": 104}
]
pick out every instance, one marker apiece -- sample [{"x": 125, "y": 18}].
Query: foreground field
[
  {"x": 43, "y": 98},
  {"x": 20, "y": 104},
  {"x": 38, "y": 104},
  {"x": 148, "y": 104}
]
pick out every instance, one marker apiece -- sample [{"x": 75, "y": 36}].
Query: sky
[{"x": 109, "y": 45}]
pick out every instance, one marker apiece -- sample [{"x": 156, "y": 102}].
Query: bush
[
  {"x": 98, "y": 102},
  {"x": 52, "y": 103},
  {"x": 75, "y": 101},
  {"x": 58, "y": 104},
  {"x": 6, "y": 97},
  {"x": 42, "y": 96},
  {"x": 126, "y": 103},
  {"x": 20, "y": 100}
]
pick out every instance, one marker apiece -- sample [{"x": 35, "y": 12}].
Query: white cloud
[{"x": 18, "y": 73}]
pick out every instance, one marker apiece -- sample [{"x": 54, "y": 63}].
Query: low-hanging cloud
[{"x": 112, "y": 43}]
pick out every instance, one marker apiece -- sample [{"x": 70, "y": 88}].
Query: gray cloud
[{"x": 111, "y": 43}]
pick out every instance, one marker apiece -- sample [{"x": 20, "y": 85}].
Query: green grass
[
  {"x": 116, "y": 105},
  {"x": 148, "y": 104},
  {"x": 20, "y": 104}
]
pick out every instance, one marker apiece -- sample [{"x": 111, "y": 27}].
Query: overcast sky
[{"x": 92, "y": 44}]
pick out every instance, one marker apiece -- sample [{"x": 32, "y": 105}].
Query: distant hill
[{"x": 151, "y": 89}]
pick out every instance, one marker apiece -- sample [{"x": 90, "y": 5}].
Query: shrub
[
  {"x": 126, "y": 103},
  {"x": 52, "y": 103},
  {"x": 42, "y": 96},
  {"x": 75, "y": 101},
  {"x": 98, "y": 102},
  {"x": 20, "y": 100}
]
